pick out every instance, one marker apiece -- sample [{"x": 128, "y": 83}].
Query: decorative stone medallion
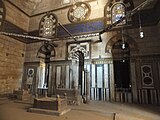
[{"x": 80, "y": 11}]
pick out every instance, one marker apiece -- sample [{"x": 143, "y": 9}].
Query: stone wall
[
  {"x": 11, "y": 64},
  {"x": 12, "y": 59},
  {"x": 16, "y": 17},
  {"x": 60, "y": 10},
  {"x": 97, "y": 50},
  {"x": 32, "y": 49},
  {"x": 150, "y": 44},
  {"x": 62, "y": 13},
  {"x": 32, "y": 12},
  {"x": 31, "y": 52}
]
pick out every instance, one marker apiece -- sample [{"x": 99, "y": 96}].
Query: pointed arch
[
  {"x": 131, "y": 42},
  {"x": 73, "y": 53},
  {"x": 45, "y": 49}
]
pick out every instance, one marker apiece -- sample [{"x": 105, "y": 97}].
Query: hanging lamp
[{"x": 141, "y": 33}]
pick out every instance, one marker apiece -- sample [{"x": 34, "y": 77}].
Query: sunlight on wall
[{"x": 41, "y": 83}]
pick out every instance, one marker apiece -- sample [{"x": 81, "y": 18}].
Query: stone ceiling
[
  {"x": 27, "y": 6},
  {"x": 137, "y": 2},
  {"x": 33, "y": 7}
]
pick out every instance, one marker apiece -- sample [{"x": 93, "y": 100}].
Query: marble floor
[{"x": 96, "y": 110}]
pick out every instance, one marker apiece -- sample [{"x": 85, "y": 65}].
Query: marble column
[
  {"x": 87, "y": 87},
  {"x": 112, "y": 87},
  {"x": 75, "y": 69}
]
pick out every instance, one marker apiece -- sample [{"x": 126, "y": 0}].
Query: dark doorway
[
  {"x": 122, "y": 74},
  {"x": 81, "y": 69},
  {"x": 121, "y": 60},
  {"x": 121, "y": 53}
]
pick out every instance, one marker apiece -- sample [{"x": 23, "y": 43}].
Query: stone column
[
  {"x": 87, "y": 87},
  {"x": 75, "y": 74},
  {"x": 134, "y": 83},
  {"x": 112, "y": 87},
  {"x": 37, "y": 81},
  {"x": 50, "y": 81}
]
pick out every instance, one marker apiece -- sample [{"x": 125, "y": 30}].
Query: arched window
[
  {"x": 48, "y": 26},
  {"x": 115, "y": 8},
  {"x": 118, "y": 10},
  {"x": 2, "y": 14}
]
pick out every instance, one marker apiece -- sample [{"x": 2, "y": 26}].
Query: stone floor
[{"x": 11, "y": 110}]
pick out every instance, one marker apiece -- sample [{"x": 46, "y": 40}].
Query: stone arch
[
  {"x": 73, "y": 52},
  {"x": 45, "y": 49},
  {"x": 131, "y": 42}
]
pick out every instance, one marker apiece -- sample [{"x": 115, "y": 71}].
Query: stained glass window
[
  {"x": 118, "y": 11},
  {"x": 48, "y": 26}
]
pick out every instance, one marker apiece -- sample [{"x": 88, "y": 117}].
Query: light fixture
[
  {"x": 123, "y": 41},
  {"x": 141, "y": 33},
  {"x": 123, "y": 46}
]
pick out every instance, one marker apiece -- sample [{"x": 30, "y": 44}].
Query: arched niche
[
  {"x": 45, "y": 52},
  {"x": 130, "y": 41}
]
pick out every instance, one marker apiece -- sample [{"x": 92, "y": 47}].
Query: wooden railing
[
  {"x": 123, "y": 95},
  {"x": 149, "y": 96}
]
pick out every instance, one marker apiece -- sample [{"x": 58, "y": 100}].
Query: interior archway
[
  {"x": 80, "y": 62},
  {"x": 121, "y": 46},
  {"x": 121, "y": 61},
  {"x": 131, "y": 42}
]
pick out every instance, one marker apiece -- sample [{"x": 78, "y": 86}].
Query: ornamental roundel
[
  {"x": 30, "y": 72},
  {"x": 78, "y": 12},
  {"x": 2, "y": 14},
  {"x": 47, "y": 27}
]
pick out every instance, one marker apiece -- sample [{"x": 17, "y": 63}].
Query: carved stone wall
[
  {"x": 150, "y": 43},
  {"x": 31, "y": 52},
  {"x": 13, "y": 53},
  {"x": 148, "y": 83}
]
